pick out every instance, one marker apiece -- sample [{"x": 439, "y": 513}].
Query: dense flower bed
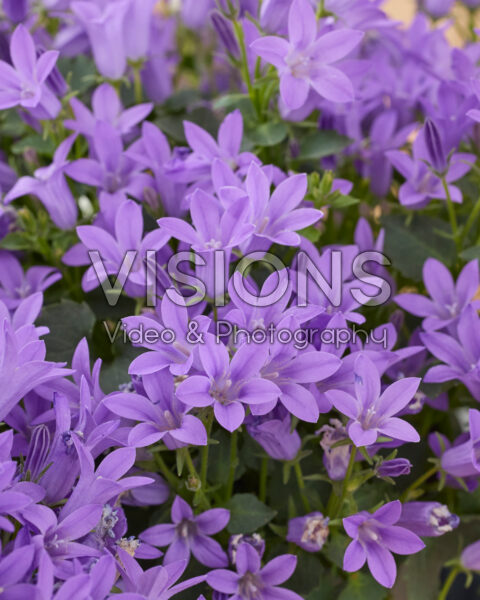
[{"x": 239, "y": 294}]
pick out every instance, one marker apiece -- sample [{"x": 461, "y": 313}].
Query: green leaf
[
  {"x": 80, "y": 72},
  {"x": 325, "y": 591},
  {"x": 232, "y": 101},
  {"x": 43, "y": 146},
  {"x": 363, "y": 587},
  {"x": 335, "y": 548},
  {"x": 181, "y": 100},
  {"x": 311, "y": 233},
  {"x": 409, "y": 246},
  {"x": 308, "y": 575},
  {"x": 248, "y": 514},
  {"x": 68, "y": 322},
  {"x": 268, "y": 134},
  {"x": 471, "y": 253},
  {"x": 322, "y": 143},
  {"x": 115, "y": 372},
  {"x": 344, "y": 202},
  {"x": 16, "y": 241}
]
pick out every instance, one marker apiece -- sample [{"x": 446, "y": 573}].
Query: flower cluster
[{"x": 239, "y": 299}]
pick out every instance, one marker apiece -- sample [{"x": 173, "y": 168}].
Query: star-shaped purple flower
[
  {"x": 304, "y": 61},
  {"x": 375, "y": 537},
  {"x": 253, "y": 581},
  {"x": 372, "y": 413},
  {"x": 190, "y": 534}
]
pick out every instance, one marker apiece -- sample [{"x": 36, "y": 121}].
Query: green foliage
[
  {"x": 68, "y": 323},
  {"x": 409, "y": 242},
  {"x": 248, "y": 514}
]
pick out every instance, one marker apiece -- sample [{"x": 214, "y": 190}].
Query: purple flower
[
  {"x": 304, "y": 62},
  {"x": 335, "y": 459},
  {"x": 15, "y": 285},
  {"x": 177, "y": 356},
  {"x": 14, "y": 497},
  {"x": 255, "y": 540},
  {"x": 274, "y": 434},
  {"x": 49, "y": 185},
  {"x": 252, "y": 581},
  {"x": 16, "y": 10},
  {"x": 448, "y": 299},
  {"x": 278, "y": 217},
  {"x": 14, "y": 568},
  {"x": 463, "y": 459},
  {"x": 23, "y": 84},
  {"x": 375, "y": 536},
  {"x": 138, "y": 28},
  {"x": 107, "y": 107},
  {"x": 112, "y": 252},
  {"x": 435, "y": 146},
  {"x": 153, "y": 152},
  {"x": 309, "y": 532},
  {"x": 394, "y": 468},
  {"x": 56, "y": 537},
  {"x": 196, "y": 165},
  {"x": 104, "y": 483},
  {"x": 228, "y": 385},
  {"x": 383, "y": 136},
  {"x": 8, "y": 217},
  {"x": 97, "y": 583},
  {"x": 111, "y": 170},
  {"x": 372, "y": 413},
  {"x": 161, "y": 416},
  {"x": 157, "y": 583},
  {"x": 22, "y": 367},
  {"x": 460, "y": 355},
  {"x": 152, "y": 494},
  {"x": 292, "y": 371},
  {"x": 427, "y": 519},
  {"x": 190, "y": 533},
  {"x": 105, "y": 29},
  {"x": 422, "y": 184},
  {"x": 470, "y": 558},
  {"x": 437, "y": 8},
  {"x": 225, "y": 33},
  {"x": 222, "y": 229}
]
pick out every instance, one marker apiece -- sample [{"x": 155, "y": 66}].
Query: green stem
[
  {"x": 346, "y": 481},
  {"x": 470, "y": 222},
  {"x": 262, "y": 487},
  {"x": 451, "y": 211},
  {"x": 448, "y": 584},
  {"x": 418, "y": 482},
  {"x": 205, "y": 449},
  {"x": 246, "y": 72},
  {"x": 233, "y": 465},
  {"x": 169, "y": 476},
  {"x": 301, "y": 487},
  {"x": 193, "y": 473},
  {"x": 137, "y": 85}
]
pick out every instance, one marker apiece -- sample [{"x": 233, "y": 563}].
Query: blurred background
[{"x": 461, "y": 16}]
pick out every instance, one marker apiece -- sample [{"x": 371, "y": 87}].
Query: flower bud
[
  {"x": 470, "y": 558},
  {"x": 427, "y": 519},
  {"x": 434, "y": 146},
  {"x": 335, "y": 459},
  {"x": 225, "y": 33},
  {"x": 16, "y": 10},
  {"x": 255, "y": 540},
  {"x": 275, "y": 437},
  {"x": 309, "y": 532},
  {"x": 193, "y": 484},
  {"x": 394, "y": 468}
]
